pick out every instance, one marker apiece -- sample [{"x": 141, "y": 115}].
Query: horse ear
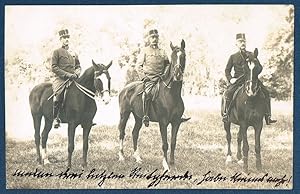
[
  {"x": 171, "y": 45},
  {"x": 108, "y": 66},
  {"x": 182, "y": 44},
  {"x": 255, "y": 52},
  {"x": 94, "y": 64}
]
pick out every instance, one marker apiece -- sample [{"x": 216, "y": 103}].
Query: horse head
[
  {"x": 102, "y": 81},
  {"x": 251, "y": 69},
  {"x": 178, "y": 61}
]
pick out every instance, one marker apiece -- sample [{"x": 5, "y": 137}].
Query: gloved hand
[
  {"x": 73, "y": 76},
  {"x": 233, "y": 80},
  {"x": 146, "y": 79}
]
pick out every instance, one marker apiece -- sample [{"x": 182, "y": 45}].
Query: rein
[{"x": 83, "y": 89}]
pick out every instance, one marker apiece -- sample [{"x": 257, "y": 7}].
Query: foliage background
[{"x": 105, "y": 33}]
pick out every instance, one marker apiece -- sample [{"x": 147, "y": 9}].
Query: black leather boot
[
  {"x": 146, "y": 103},
  {"x": 56, "y": 120},
  {"x": 268, "y": 119},
  {"x": 225, "y": 118}
]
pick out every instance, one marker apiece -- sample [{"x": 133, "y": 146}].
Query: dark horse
[
  {"x": 167, "y": 108},
  {"x": 247, "y": 110},
  {"x": 79, "y": 108}
]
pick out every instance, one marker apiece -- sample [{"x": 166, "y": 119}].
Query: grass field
[{"x": 201, "y": 149}]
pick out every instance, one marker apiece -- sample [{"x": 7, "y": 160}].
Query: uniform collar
[
  {"x": 65, "y": 47},
  {"x": 154, "y": 46}
]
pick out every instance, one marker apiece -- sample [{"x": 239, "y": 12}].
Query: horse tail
[{"x": 184, "y": 119}]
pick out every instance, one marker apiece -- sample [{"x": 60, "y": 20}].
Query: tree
[{"x": 280, "y": 45}]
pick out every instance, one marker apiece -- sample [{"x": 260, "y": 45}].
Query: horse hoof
[
  {"x": 139, "y": 160},
  {"x": 121, "y": 157},
  {"x": 241, "y": 162},
  {"x": 46, "y": 162},
  {"x": 137, "y": 157},
  {"x": 228, "y": 160},
  {"x": 166, "y": 166}
]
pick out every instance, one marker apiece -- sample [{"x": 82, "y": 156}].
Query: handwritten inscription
[{"x": 155, "y": 177}]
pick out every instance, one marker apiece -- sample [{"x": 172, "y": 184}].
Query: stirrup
[
  {"x": 225, "y": 118},
  {"x": 269, "y": 121},
  {"x": 146, "y": 120},
  {"x": 56, "y": 123}
]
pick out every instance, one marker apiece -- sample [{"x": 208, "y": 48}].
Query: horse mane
[
  {"x": 86, "y": 74},
  {"x": 87, "y": 78}
]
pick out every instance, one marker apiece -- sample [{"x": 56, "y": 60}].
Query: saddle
[
  {"x": 154, "y": 89},
  {"x": 261, "y": 94}
]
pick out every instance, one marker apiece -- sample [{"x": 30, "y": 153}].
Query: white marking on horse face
[
  {"x": 251, "y": 67},
  {"x": 105, "y": 95},
  {"x": 179, "y": 53}
]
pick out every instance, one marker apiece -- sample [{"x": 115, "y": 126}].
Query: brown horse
[
  {"x": 167, "y": 108},
  {"x": 79, "y": 108},
  {"x": 248, "y": 109}
]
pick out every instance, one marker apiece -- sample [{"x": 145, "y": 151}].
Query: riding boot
[
  {"x": 146, "y": 103},
  {"x": 225, "y": 118},
  {"x": 268, "y": 113},
  {"x": 56, "y": 120}
]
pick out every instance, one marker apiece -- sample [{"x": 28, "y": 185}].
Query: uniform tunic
[
  {"x": 237, "y": 62},
  {"x": 63, "y": 65},
  {"x": 152, "y": 63}
]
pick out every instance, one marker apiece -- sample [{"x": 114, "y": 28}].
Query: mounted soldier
[
  {"x": 152, "y": 62},
  {"x": 65, "y": 67},
  {"x": 237, "y": 61}
]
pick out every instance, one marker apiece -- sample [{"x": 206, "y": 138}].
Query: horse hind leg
[
  {"x": 239, "y": 149},
  {"x": 135, "y": 135},
  {"x": 37, "y": 125},
  {"x": 257, "y": 147},
  {"x": 228, "y": 138},
  {"x": 45, "y": 133},
  {"x": 122, "y": 125}
]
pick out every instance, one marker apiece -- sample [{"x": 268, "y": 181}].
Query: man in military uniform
[
  {"x": 237, "y": 61},
  {"x": 152, "y": 62},
  {"x": 65, "y": 66}
]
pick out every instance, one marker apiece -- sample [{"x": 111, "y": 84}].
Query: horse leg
[
  {"x": 228, "y": 138},
  {"x": 175, "y": 127},
  {"x": 71, "y": 134},
  {"x": 245, "y": 147},
  {"x": 135, "y": 135},
  {"x": 239, "y": 149},
  {"x": 37, "y": 138},
  {"x": 163, "y": 131},
  {"x": 45, "y": 133},
  {"x": 122, "y": 125},
  {"x": 86, "y": 132},
  {"x": 257, "y": 146}
]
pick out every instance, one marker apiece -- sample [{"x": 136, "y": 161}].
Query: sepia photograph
[{"x": 149, "y": 96}]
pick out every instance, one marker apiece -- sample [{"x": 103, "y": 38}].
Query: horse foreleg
[
  {"x": 257, "y": 146},
  {"x": 239, "y": 149},
  {"x": 45, "y": 133},
  {"x": 135, "y": 136},
  {"x": 71, "y": 134},
  {"x": 228, "y": 138},
  {"x": 163, "y": 132},
  {"x": 175, "y": 127},
  {"x": 37, "y": 138},
  {"x": 122, "y": 125},
  {"x": 245, "y": 147},
  {"x": 86, "y": 131}
]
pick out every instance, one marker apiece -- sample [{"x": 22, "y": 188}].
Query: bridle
[{"x": 251, "y": 83}]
